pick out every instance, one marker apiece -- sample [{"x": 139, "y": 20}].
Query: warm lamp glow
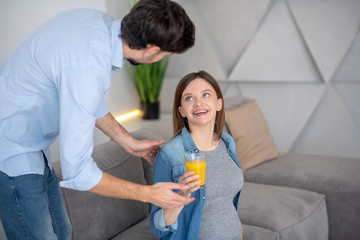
[{"x": 128, "y": 115}]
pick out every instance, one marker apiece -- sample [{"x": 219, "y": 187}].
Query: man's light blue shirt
[{"x": 54, "y": 84}]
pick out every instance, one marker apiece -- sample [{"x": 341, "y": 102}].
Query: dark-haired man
[{"x": 53, "y": 84}]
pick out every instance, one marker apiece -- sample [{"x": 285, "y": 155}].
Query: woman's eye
[
  {"x": 206, "y": 95},
  {"x": 188, "y": 98}
]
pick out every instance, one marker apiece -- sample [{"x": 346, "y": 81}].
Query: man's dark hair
[{"x": 162, "y": 23}]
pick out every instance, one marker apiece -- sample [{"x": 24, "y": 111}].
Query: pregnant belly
[{"x": 221, "y": 222}]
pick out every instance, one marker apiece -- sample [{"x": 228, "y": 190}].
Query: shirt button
[
  {"x": 204, "y": 198},
  {"x": 196, "y": 150}
]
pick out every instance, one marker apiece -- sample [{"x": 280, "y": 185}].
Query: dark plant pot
[{"x": 150, "y": 110}]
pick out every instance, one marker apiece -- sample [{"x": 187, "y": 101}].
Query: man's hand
[
  {"x": 141, "y": 148},
  {"x": 161, "y": 194},
  {"x": 145, "y": 149}
]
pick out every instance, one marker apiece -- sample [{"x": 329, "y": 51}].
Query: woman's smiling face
[{"x": 199, "y": 102}]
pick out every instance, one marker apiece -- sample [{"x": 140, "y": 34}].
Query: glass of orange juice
[{"x": 197, "y": 163}]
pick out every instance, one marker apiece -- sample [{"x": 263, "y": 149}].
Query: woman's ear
[
  {"x": 181, "y": 111},
  {"x": 219, "y": 104}
]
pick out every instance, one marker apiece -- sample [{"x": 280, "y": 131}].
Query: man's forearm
[
  {"x": 160, "y": 194},
  {"x": 114, "y": 187},
  {"x": 114, "y": 130}
]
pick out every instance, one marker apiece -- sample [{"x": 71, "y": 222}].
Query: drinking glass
[{"x": 197, "y": 163}]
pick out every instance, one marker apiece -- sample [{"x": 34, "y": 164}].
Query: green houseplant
[{"x": 148, "y": 79}]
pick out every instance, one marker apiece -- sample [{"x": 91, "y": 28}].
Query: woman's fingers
[
  {"x": 195, "y": 187},
  {"x": 192, "y": 188},
  {"x": 188, "y": 177},
  {"x": 186, "y": 174}
]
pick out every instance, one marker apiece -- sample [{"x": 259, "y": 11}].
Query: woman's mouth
[{"x": 200, "y": 112}]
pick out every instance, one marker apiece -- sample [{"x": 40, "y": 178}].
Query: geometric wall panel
[
  {"x": 199, "y": 57},
  {"x": 277, "y": 52},
  {"x": 232, "y": 32},
  {"x": 331, "y": 130},
  {"x": 349, "y": 70},
  {"x": 328, "y": 28},
  {"x": 231, "y": 89},
  {"x": 350, "y": 95},
  {"x": 286, "y": 107},
  {"x": 298, "y": 58}
]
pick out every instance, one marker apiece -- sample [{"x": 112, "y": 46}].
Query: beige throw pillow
[{"x": 251, "y": 134}]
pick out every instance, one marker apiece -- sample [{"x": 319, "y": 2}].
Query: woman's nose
[{"x": 198, "y": 102}]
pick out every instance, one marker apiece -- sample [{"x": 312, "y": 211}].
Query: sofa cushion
[
  {"x": 142, "y": 231},
  {"x": 293, "y": 213},
  {"x": 336, "y": 177},
  {"x": 96, "y": 217},
  {"x": 233, "y": 102},
  {"x": 258, "y": 233},
  {"x": 250, "y": 131}
]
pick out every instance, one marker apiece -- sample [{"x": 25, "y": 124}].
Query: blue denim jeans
[{"x": 31, "y": 207}]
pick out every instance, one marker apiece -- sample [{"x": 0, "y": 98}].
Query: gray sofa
[{"x": 291, "y": 197}]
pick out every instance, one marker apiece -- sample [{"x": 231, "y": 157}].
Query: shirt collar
[
  {"x": 116, "y": 46},
  {"x": 189, "y": 144}
]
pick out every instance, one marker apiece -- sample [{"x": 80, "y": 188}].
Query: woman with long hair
[{"x": 198, "y": 120}]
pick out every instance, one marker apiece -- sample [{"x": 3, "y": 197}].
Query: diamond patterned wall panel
[
  {"x": 331, "y": 130},
  {"x": 329, "y": 28},
  {"x": 350, "y": 96},
  {"x": 202, "y": 56},
  {"x": 231, "y": 89},
  {"x": 349, "y": 70},
  {"x": 299, "y": 58},
  {"x": 230, "y": 25},
  {"x": 286, "y": 107},
  {"x": 277, "y": 52}
]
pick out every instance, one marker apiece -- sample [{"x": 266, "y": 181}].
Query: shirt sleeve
[
  {"x": 159, "y": 222},
  {"x": 102, "y": 109},
  {"x": 81, "y": 92}
]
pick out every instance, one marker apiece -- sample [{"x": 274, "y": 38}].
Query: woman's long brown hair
[{"x": 179, "y": 121}]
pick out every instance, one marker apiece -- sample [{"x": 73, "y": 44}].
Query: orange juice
[{"x": 199, "y": 167}]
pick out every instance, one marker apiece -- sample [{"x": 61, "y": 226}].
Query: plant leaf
[{"x": 148, "y": 79}]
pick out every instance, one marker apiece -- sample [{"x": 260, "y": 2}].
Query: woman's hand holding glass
[
  {"x": 188, "y": 179},
  {"x": 170, "y": 215}
]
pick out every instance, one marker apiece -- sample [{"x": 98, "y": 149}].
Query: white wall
[{"x": 19, "y": 18}]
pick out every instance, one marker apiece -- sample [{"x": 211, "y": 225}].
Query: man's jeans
[{"x": 31, "y": 207}]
